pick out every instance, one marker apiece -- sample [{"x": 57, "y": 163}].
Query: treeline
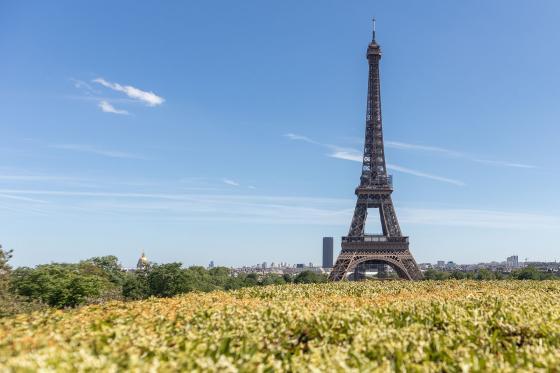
[
  {"x": 101, "y": 279},
  {"x": 527, "y": 273}
]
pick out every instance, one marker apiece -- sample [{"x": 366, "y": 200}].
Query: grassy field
[{"x": 394, "y": 325}]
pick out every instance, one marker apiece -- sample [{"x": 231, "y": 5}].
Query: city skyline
[{"x": 234, "y": 133}]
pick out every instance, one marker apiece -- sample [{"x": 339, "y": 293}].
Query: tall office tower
[{"x": 328, "y": 252}]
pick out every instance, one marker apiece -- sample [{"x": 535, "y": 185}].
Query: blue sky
[{"x": 228, "y": 131}]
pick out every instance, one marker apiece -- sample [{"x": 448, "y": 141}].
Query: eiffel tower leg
[
  {"x": 389, "y": 219},
  {"x": 343, "y": 263},
  {"x": 412, "y": 267},
  {"x": 358, "y": 220}
]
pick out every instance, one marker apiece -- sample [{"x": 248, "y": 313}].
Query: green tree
[
  {"x": 200, "y": 279},
  {"x": 309, "y": 277},
  {"x": 458, "y": 275},
  {"x": 167, "y": 280},
  {"x": 235, "y": 282},
  {"x": 531, "y": 273},
  {"x": 252, "y": 279},
  {"x": 135, "y": 286},
  {"x": 10, "y": 303},
  {"x": 433, "y": 274},
  {"x": 59, "y": 285},
  {"x": 108, "y": 266},
  {"x": 5, "y": 270},
  {"x": 7, "y": 301},
  {"x": 288, "y": 278},
  {"x": 484, "y": 274},
  {"x": 272, "y": 279}
]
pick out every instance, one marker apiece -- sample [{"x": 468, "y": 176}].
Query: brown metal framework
[{"x": 374, "y": 192}]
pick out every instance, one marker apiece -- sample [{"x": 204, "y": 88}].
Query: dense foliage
[
  {"x": 100, "y": 279},
  {"x": 11, "y": 303},
  {"x": 454, "y": 325},
  {"x": 527, "y": 273}
]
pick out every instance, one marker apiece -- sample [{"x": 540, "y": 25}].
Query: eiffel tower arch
[{"x": 374, "y": 193}]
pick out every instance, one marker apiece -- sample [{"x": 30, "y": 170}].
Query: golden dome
[
  {"x": 143, "y": 258},
  {"x": 143, "y": 261}
]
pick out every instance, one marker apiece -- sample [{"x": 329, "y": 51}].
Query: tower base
[{"x": 395, "y": 254}]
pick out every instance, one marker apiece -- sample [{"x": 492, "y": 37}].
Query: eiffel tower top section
[
  {"x": 373, "y": 48},
  {"x": 374, "y": 170}
]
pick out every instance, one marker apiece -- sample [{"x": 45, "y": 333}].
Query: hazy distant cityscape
[{"x": 509, "y": 264}]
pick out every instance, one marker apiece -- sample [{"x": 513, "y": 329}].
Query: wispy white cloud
[
  {"x": 149, "y": 98},
  {"x": 349, "y": 154},
  {"x": 434, "y": 149},
  {"x": 265, "y": 209},
  {"x": 503, "y": 163},
  {"x": 200, "y": 207},
  {"x": 84, "y": 86},
  {"x": 106, "y": 107},
  {"x": 33, "y": 177},
  {"x": 20, "y": 198},
  {"x": 357, "y": 157},
  {"x": 453, "y": 153},
  {"x": 230, "y": 182},
  {"x": 296, "y": 137},
  {"x": 425, "y": 175},
  {"x": 93, "y": 150},
  {"x": 490, "y": 219}
]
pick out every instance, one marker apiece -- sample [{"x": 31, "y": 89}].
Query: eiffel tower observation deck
[{"x": 362, "y": 251}]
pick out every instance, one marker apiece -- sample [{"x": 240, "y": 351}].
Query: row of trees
[
  {"x": 101, "y": 279},
  {"x": 527, "y": 273}
]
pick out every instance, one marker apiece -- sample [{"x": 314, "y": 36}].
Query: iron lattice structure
[{"x": 374, "y": 192}]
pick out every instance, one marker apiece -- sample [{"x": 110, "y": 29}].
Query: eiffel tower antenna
[
  {"x": 373, "y": 33},
  {"x": 361, "y": 251}
]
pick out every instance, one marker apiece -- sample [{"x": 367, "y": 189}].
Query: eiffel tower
[{"x": 361, "y": 251}]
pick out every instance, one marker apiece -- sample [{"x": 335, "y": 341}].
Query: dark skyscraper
[{"x": 327, "y": 252}]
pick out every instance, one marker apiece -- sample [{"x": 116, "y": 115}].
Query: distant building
[
  {"x": 142, "y": 263},
  {"x": 327, "y": 252},
  {"x": 440, "y": 263},
  {"x": 300, "y": 265},
  {"x": 512, "y": 261},
  {"x": 263, "y": 265},
  {"x": 211, "y": 265}
]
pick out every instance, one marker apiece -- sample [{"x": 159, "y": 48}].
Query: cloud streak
[
  {"x": 28, "y": 177},
  {"x": 453, "y": 153},
  {"x": 230, "y": 182},
  {"x": 106, "y": 107},
  {"x": 199, "y": 207},
  {"x": 425, "y": 175},
  {"x": 82, "y": 148},
  {"x": 433, "y": 149},
  {"x": 349, "y": 154},
  {"x": 148, "y": 98},
  {"x": 19, "y": 198},
  {"x": 474, "y": 218},
  {"x": 357, "y": 157},
  {"x": 296, "y": 137},
  {"x": 261, "y": 209}
]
